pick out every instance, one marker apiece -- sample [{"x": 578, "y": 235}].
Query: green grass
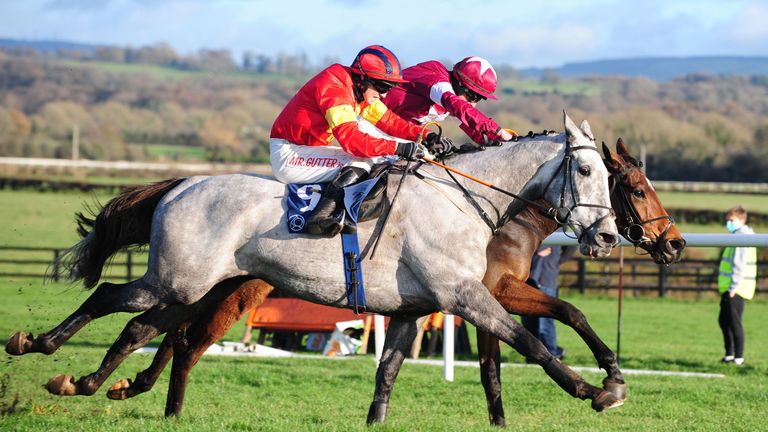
[
  {"x": 31, "y": 218},
  {"x": 306, "y": 394},
  {"x": 302, "y": 394},
  {"x": 714, "y": 201},
  {"x": 566, "y": 87},
  {"x": 168, "y": 73},
  {"x": 174, "y": 152}
]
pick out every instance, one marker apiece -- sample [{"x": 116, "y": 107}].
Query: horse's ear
[
  {"x": 607, "y": 151},
  {"x": 621, "y": 148},
  {"x": 570, "y": 127},
  {"x": 610, "y": 162},
  {"x": 587, "y": 130}
]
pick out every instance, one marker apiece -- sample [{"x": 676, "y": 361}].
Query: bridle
[
  {"x": 634, "y": 231},
  {"x": 561, "y": 215}
]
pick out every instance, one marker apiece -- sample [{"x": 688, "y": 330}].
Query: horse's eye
[
  {"x": 584, "y": 170},
  {"x": 638, "y": 193}
]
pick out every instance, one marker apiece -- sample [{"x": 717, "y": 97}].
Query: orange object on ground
[
  {"x": 436, "y": 321},
  {"x": 298, "y": 315}
]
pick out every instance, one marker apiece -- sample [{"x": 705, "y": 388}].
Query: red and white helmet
[
  {"x": 476, "y": 74},
  {"x": 379, "y": 63}
]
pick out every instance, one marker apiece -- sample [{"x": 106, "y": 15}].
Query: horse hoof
[
  {"x": 377, "y": 413},
  {"x": 604, "y": 401},
  {"x": 62, "y": 385},
  {"x": 617, "y": 389},
  {"x": 119, "y": 390},
  {"x": 19, "y": 343}
]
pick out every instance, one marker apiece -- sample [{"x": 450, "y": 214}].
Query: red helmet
[
  {"x": 379, "y": 63},
  {"x": 477, "y": 74}
]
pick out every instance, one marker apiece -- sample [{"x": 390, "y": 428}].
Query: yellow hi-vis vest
[{"x": 746, "y": 286}]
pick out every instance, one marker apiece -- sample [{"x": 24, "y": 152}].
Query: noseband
[
  {"x": 562, "y": 214},
  {"x": 634, "y": 231}
]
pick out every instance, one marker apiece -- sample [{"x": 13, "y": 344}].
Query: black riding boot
[{"x": 327, "y": 220}]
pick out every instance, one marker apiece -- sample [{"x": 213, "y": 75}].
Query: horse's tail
[{"x": 125, "y": 220}]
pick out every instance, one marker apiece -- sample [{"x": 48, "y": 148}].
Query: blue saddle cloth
[
  {"x": 303, "y": 198},
  {"x": 301, "y": 202}
]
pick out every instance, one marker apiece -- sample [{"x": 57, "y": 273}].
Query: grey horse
[{"x": 206, "y": 230}]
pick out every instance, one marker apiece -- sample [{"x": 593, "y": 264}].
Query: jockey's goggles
[
  {"x": 471, "y": 96},
  {"x": 381, "y": 86}
]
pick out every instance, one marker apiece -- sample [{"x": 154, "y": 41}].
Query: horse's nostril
[
  {"x": 608, "y": 238},
  {"x": 675, "y": 245}
]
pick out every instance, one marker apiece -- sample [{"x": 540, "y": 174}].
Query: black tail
[{"x": 125, "y": 220}]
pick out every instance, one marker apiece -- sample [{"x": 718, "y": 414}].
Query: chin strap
[{"x": 358, "y": 87}]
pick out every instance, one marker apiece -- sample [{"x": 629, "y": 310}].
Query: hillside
[
  {"x": 46, "y": 46},
  {"x": 697, "y": 128},
  {"x": 660, "y": 69}
]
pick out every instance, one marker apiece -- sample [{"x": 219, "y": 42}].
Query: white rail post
[
  {"x": 380, "y": 334},
  {"x": 448, "y": 330}
]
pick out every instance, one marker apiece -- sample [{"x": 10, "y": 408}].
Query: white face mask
[{"x": 732, "y": 225}]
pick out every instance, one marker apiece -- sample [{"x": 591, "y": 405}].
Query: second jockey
[{"x": 432, "y": 93}]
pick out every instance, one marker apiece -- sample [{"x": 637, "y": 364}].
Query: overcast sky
[{"x": 518, "y": 33}]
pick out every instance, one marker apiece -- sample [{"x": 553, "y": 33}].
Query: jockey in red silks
[
  {"x": 316, "y": 137},
  {"x": 432, "y": 93}
]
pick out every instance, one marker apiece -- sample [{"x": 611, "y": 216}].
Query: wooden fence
[{"x": 641, "y": 277}]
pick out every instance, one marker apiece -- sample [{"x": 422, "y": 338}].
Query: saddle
[{"x": 364, "y": 200}]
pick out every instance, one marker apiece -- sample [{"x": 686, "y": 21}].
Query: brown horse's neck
[{"x": 512, "y": 248}]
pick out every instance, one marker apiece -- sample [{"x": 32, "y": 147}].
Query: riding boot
[{"x": 329, "y": 214}]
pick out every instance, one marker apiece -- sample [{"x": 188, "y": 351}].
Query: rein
[{"x": 561, "y": 215}]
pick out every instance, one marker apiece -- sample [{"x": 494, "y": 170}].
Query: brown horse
[{"x": 639, "y": 215}]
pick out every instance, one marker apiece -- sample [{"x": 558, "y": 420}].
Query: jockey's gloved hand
[
  {"x": 439, "y": 145},
  {"x": 410, "y": 150}
]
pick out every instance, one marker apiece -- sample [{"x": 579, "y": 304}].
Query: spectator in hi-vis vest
[{"x": 736, "y": 283}]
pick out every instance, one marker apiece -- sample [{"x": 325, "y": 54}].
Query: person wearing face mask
[
  {"x": 736, "y": 283},
  {"x": 432, "y": 93},
  {"x": 316, "y": 137}
]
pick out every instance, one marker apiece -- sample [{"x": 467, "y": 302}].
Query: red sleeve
[
  {"x": 360, "y": 144},
  {"x": 396, "y": 126},
  {"x": 473, "y": 122}
]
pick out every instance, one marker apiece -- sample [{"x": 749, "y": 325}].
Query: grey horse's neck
[{"x": 530, "y": 165}]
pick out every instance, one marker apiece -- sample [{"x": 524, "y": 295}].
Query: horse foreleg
[
  {"x": 213, "y": 323},
  {"x": 519, "y": 298},
  {"x": 490, "y": 375},
  {"x": 137, "y": 333},
  {"x": 108, "y": 298},
  {"x": 474, "y": 303},
  {"x": 400, "y": 335}
]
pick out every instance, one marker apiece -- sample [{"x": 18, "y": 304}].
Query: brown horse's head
[{"x": 640, "y": 217}]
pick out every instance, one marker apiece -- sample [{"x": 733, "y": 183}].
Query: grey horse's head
[{"x": 580, "y": 191}]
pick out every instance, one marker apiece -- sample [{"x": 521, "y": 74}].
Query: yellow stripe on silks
[
  {"x": 374, "y": 113},
  {"x": 340, "y": 114}
]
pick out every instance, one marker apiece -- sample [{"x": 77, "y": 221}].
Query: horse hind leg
[
  {"x": 214, "y": 322},
  {"x": 519, "y": 298},
  {"x": 138, "y": 332},
  {"x": 108, "y": 298},
  {"x": 146, "y": 379},
  {"x": 187, "y": 343}
]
